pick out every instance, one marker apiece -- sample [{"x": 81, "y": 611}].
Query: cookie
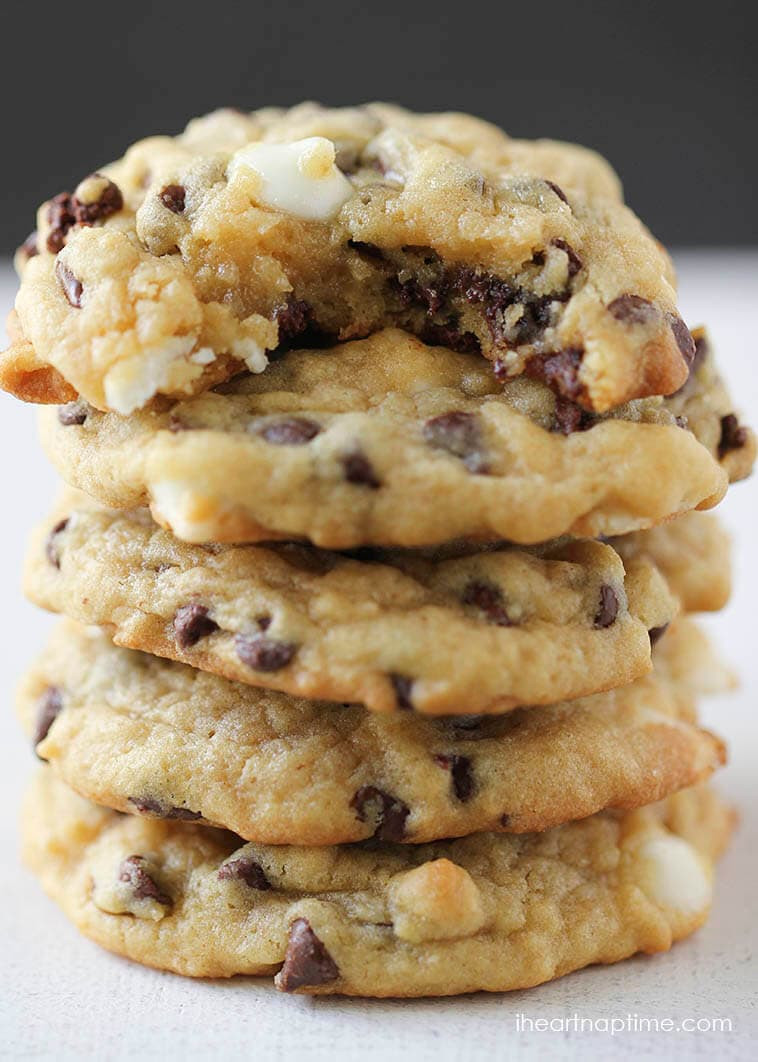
[
  {"x": 692, "y": 553},
  {"x": 387, "y": 441},
  {"x": 193, "y": 258},
  {"x": 147, "y": 736},
  {"x": 489, "y": 912},
  {"x": 476, "y": 633}
]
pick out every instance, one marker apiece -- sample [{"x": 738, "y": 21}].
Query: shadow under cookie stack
[{"x": 384, "y": 444}]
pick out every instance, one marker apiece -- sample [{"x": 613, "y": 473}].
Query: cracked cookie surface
[
  {"x": 441, "y": 633},
  {"x": 195, "y": 256},
  {"x": 489, "y": 912},
  {"x": 155, "y": 738},
  {"x": 387, "y": 441}
]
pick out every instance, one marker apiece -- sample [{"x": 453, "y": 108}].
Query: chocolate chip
[
  {"x": 52, "y": 550},
  {"x": 683, "y": 338},
  {"x": 489, "y": 600},
  {"x": 173, "y": 197},
  {"x": 403, "y": 687},
  {"x": 430, "y": 297},
  {"x": 569, "y": 417},
  {"x": 359, "y": 470},
  {"x": 294, "y": 318},
  {"x": 191, "y": 623},
  {"x": 609, "y": 607},
  {"x": 387, "y": 811},
  {"x": 151, "y": 806},
  {"x": 505, "y": 821},
  {"x": 458, "y": 433},
  {"x": 247, "y": 870},
  {"x": 60, "y": 217},
  {"x": 733, "y": 435},
  {"x": 73, "y": 413},
  {"x": 49, "y": 708},
  {"x": 66, "y": 210},
  {"x": 560, "y": 371},
  {"x": 449, "y": 335},
  {"x": 632, "y": 309},
  {"x": 72, "y": 288},
  {"x": 133, "y": 873},
  {"x": 262, "y": 653},
  {"x": 557, "y": 189},
  {"x": 369, "y": 249},
  {"x": 291, "y": 431},
  {"x": 461, "y": 775},
  {"x": 574, "y": 261},
  {"x": 307, "y": 963},
  {"x": 656, "y": 633}
]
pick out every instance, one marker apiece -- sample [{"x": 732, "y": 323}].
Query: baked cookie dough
[
  {"x": 194, "y": 257},
  {"x": 489, "y": 912},
  {"x": 151, "y": 737},
  {"x": 476, "y": 633},
  {"x": 387, "y": 441}
]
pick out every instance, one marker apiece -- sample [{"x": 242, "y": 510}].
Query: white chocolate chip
[
  {"x": 300, "y": 178},
  {"x": 674, "y": 875},
  {"x": 438, "y": 900},
  {"x": 130, "y": 383}
]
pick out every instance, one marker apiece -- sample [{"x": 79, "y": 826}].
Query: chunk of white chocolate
[
  {"x": 299, "y": 178},
  {"x": 675, "y": 876}
]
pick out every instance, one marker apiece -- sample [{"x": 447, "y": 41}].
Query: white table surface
[{"x": 63, "y": 998}]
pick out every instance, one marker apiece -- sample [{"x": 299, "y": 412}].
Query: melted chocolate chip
[
  {"x": 191, "y": 623},
  {"x": 262, "y": 653},
  {"x": 574, "y": 261},
  {"x": 609, "y": 607},
  {"x": 294, "y": 318},
  {"x": 656, "y": 633},
  {"x": 403, "y": 687},
  {"x": 430, "y": 297},
  {"x": 359, "y": 470},
  {"x": 72, "y": 288},
  {"x": 52, "y": 549},
  {"x": 307, "y": 963},
  {"x": 65, "y": 211},
  {"x": 458, "y": 433},
  {"x": 569, "y": 417},
  {"x": 387, "y": 811},
  {"x": 632, "y": 309},
  {"x": 369, "y": 249},
  {"x": 133, "y": 873},
  {"x": 449, "y": 335},
  {"x": 110, "y": 201},
  {"x": 245, "y": 869},
  {"x": 49, "y": 708},
  {"x": 560, "y": 371},
  {"x": 173, "y": 197},
  {"x": 683, "y": 338},
  {"x": 558, "y": 191},
  {"x": 73, "y": 413},
  {"x": 733, "y": 436},
  {"x": 60, "y": 217},
  {"x": 151, "y": 806},
  {"x": 489, "y": 600},
  {"x": 290, "y": 431},
  {"x": 461, "y": 775}
]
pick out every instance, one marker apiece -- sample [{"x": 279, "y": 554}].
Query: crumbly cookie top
[{"x": 195, "y": 256}]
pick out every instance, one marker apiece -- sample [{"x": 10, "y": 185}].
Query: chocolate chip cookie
[
  {"x": 151, "y": 737},
  {"x": 388, "y": 441},
  {"x": 194, "y": 257},
  {"x": 474, "y": 633},
  {"x": 489, "y": 912}
]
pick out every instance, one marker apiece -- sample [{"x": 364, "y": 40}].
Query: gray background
[{"x": 667, "y": 90}]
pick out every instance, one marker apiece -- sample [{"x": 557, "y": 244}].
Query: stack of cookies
[{"x": 384, "y": 443}]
